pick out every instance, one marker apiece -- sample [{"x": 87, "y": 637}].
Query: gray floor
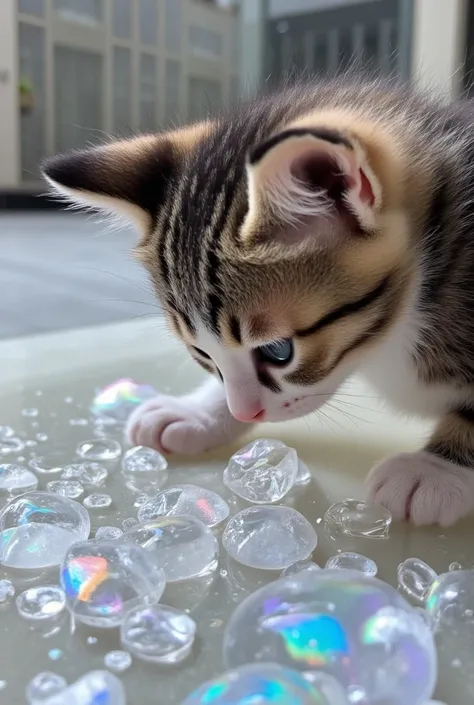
[{"x": 66, "y": 270}]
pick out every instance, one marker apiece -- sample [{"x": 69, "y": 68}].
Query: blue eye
[{"x": 277, "y": 353}]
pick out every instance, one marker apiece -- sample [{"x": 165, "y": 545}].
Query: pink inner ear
[
  {"x": 366, "y": 193},
  {"x": 320, "y": 171}
]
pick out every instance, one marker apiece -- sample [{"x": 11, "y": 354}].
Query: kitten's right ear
[{"x": 129, "y": 177}]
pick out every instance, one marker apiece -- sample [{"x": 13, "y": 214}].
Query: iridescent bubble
[
  {"x": 183, "y": 546},
  {"x": 270, "y": 538},
  {"x": 118, "y": 661},
  {"x": 158, "y": 634},
  {"x": 97, "y": 501},
  {"x": 103, "y": 580},
  {"x": 262, "y": 683},
  {"x": 37, "y": 529},
  {"x": 415, "y": 578},
  {"x": 41, "y": 603},
  {"x": 118, "y": 400},
  {"x": 66, "y": 488},
  {"x": 355, "y": 628},
  {"x": 143, "y": 460},
  {"x": 359, "y": 519},
  {"x": 104, "y": 449},
  {"x": 16, "y": 479},
  {"x": 43, "y": 686},
  {"x": 7, "y": 591},
  {"x": 88, "y": 474},
  {"x": 191, "y": 500},
  {"x": 450, "y": 600},
  {"x": 262, "y": 472},
  {"x": 108, "y": 533},
  {"x": 352, "y": 561},
  {"x": 299, "y": 567},
  {"x": 95, "y": 688}
]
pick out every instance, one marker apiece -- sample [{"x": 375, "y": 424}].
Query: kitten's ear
[
  {"x": 129, "y": 177},
  {"x": 304, "y": 174}
]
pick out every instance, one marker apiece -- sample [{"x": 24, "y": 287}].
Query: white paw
[
  {"x": 423, "y": 488},
  {"x": 177, "y": 425}
]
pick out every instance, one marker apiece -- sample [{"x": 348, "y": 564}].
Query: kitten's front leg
[
  {"x": 435, "y": 485},
  {"x": 189, "y": 424}
]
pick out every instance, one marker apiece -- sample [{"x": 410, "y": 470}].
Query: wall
[{"x": 9, "y": 115}]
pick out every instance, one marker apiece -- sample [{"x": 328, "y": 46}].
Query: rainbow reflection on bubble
[
  {"x": 81, "y": 578},
  {"x": 262, "y": 683},
  {"x": 118, "y": 399},
  {"x": 314, "y": 639}
]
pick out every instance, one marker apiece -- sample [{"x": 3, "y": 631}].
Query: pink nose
[{"x": 249, "y": 417}]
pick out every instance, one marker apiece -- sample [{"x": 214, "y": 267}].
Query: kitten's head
[{"x": 276, "y": 239}]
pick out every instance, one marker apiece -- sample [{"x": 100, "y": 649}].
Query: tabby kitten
[{"x": 320, "y": 230}]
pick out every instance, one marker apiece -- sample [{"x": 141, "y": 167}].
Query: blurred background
[{"x": 74, "y": 71}]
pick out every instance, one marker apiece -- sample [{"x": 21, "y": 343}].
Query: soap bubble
[
  {"x": 48, "y": 464},
  {"x": 118, "y": 400},
  {"x": 355, "y": 628},
  {"x": 37, "y": 529},
  {"x": 191, "y": 500},
  {"x": 66, "y": 488},
  {"x": 103, "y": 580},
  {"x": 415, "y": 578},
  {"x": 88, "y": 474},
  {"x": 270, "y": 538},
  {"x": 7, "y": 591},
  {"x": 263, "y": 683},
  {"x": 43, "y": 686},
  {"x": 262, "y": 472},
  {"x": 9, "y": 445},
  {"x": 352, "y": 561},
  {"x": 359, "y": 519},
  {"x": 299, "y": 567},
  {"x": 118, "y": 661},
  {"x": 158, "y": 634},
  {"x": 97, "y": 501},
  {"x": 95, "y": 688},
  {"x": 183, "y": 546},
  {"x": 104, "y": 449},
  {"x": 450, "y": 600},
  {"x": 108, "y": 533},
  {"x": 15, "y": 479},
  {"x": 141, "y": 459},
  {"x": 40, "y": 603}
]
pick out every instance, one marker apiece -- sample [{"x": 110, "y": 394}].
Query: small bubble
[
  {"x": 92, "y": 640},
  {"x": 41, "y": 437},
  {"x": 128, "y": 523},
  {"x": 456, "y": 663},
  {"x": 99, "y": 449},
  {"x": 118, "y": 661},
  {"x": 43, "y": 686},
  {"x": 3, "y": 685},
  {"x": 141, "y": 500},
  {"x": 223, "y": 573},
  {"x": 55, "y": 654},
  {"x": 6, "y": 432},
  {"x": 38, "y": 393},
  {"x": 69, "y": 400},
  {"x": 97, "y": 501},
  {"x": 78, "y": 422},
  {"x": 66, "y": 488},
  {"x": 108, "y": 533},
  {"x": 31, "y": 444},
  {"x": 10, "y": 445},
  {"x": 40, "y": 603},
  {"x": 30, "y": 413},
  {"x": 7, "y": 591},
  {"x": 455, "y": 566}
]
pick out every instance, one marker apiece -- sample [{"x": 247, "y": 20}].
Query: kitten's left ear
[{"x": 303, "y": 174}]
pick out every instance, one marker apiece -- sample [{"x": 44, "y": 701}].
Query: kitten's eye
[
  {"x": 201, "y": 352},
  {"x": 278, "y": 353}
]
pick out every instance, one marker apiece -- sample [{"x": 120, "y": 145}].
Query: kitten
[{"x": 313, "y": 232}]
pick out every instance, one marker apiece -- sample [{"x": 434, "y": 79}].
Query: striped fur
[{"x": 337, "y": 213}]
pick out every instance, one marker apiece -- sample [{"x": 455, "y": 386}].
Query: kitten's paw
[
  {"x": 173, "y": 425},
  {"x": 422, "y": 488}
]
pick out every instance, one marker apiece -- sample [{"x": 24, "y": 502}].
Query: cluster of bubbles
[{"x": 329, "y": 636}]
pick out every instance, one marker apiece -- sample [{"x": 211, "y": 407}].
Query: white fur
[
  {"x": 423, "y": 488},
  {"x": 190, "y": 424}
]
